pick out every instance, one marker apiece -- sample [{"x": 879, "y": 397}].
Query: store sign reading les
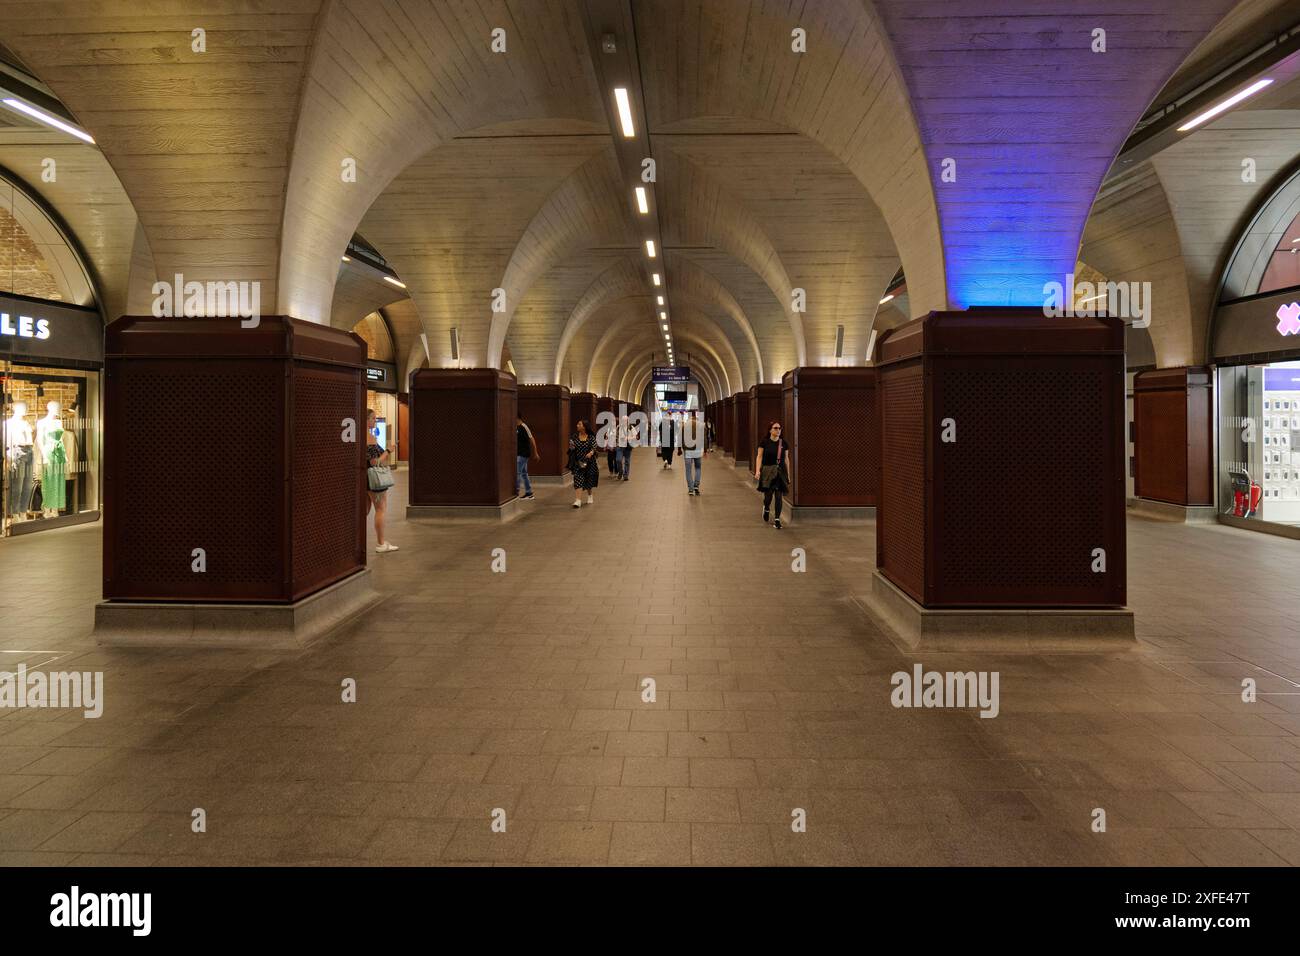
[
  {"x": 1288, "y": 319},
  {"x": 24, "y": 326}
]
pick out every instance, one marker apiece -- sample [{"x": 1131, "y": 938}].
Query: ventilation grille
[
  {"x": 1022, "y": 497},
  {"x": 901, "y": 516},
  {"x": 837, "y": 455},
  {"x": 191, "y": 439},
  {"x": 327, "y": 492}
]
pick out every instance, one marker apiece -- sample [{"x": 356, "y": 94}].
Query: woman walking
[
  {"x": 772, "y": 472},
  {"x": 377, "y": 457},
  {"x": 583, "y": 464}
]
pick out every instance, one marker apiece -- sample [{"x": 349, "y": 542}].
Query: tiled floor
[{"x": 520, "y": 691}]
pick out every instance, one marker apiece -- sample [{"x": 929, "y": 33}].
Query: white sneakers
[
  {"x": 385, "y": 547},
  {"x": 577, "y": 504}
]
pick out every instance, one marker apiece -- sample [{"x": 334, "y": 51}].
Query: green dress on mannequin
[{"x": 54, "y": 476}]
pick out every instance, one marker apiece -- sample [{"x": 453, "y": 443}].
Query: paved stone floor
[{"x": 520, "y": 691}]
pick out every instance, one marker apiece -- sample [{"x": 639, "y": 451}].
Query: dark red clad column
[
  {"x": 545, "y": 410},
  {"x": 742, "y": 429},
  {"x": 463, "y": 444},
  {"x": 1002, "y": 479},
  {"x": 1173, "y": 441},
  {"x": 233, "y": 482},
  {"x": 829, "y": 419},
  {"x": 765, "y": 407}
]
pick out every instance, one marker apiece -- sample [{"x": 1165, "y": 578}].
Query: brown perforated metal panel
[
  {"x": 1013, "y": 511},
  {"x": 742, "y": 427},
  {"x": 900, "y": 516},
  {"x": 764, "y": 408},
  {"x": 582, "y": 406},
  {"x": 545, "y": 409},
  {"x": 462, "y": 437},
  {"x": 832, "y": 430},
  {"x": 1023, "y": 500},
  {"x": 230, "y": 440},
  {"x": 328, "y": 486},
  {"x": 729, "y": 423}
]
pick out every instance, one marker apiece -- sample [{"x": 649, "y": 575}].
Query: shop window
[
  {"x": 1259, "y": 442},
  {"x": 51, "y": 444}
]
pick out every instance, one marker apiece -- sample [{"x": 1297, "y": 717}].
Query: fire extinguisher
[{"x": 1246, "y": 495}]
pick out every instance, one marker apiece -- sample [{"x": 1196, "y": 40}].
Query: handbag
[{"x": 379, "y": 478}]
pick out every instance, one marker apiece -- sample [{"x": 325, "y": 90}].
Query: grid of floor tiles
[{"x": 521, "y": 692}]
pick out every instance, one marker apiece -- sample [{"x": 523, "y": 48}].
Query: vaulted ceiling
[{"x": 790, "y": 185}]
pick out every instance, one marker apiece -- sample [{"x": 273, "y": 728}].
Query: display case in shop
[
  {"x": 51, "y": 446},
  {"x": 1259, "y": 442}
]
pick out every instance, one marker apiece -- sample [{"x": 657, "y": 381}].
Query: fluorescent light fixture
[
  {"x": 660, "y": 299},
  {"x": 624, "y": 111},
  {"x": 47, "y": 119},
  {"x": 663, "y": 315},
  {"x": 650, "y": 248},
  {"x": 656, "y": 278},
  {"x": 642, "y": 204},
  {"x": 400, "y": 285},
  {"x": 1227, "y": 104},
  {"x": 886, "y": 299}
]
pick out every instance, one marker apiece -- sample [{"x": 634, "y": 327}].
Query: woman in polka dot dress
[{"x": 582, "y": 463}]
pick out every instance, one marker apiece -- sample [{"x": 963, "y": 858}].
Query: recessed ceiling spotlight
[
  {"x": 650, "y": 248},
  {"x": 400, "y": 285},
  {"x": 346, "y": 259},
  {"x": 660, "y": 299},
  {"x": 642, "y": 204},
  {"x": 886, "y": 299},
  {"x": 655, "y": 277}
]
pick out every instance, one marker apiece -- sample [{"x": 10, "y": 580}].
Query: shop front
[
  {"x": 381, "y": 398},
  {"x": 1257, "y": 348},
  {"x": 51, "y": 357}
]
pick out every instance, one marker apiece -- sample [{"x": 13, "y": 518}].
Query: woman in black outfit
[
  {"x": 583, "y": 464},
  {"x": 772, "y": 472}
]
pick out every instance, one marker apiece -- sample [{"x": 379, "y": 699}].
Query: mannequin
[
  {"x": 54, "y": 460},
  {"x": 19, "y": 460}
]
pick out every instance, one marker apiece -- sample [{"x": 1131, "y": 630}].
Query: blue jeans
[
  {"x": 693, "y": 465},
  {"x": 625, "y": 462},
  {"x": 521, "y": 475}
]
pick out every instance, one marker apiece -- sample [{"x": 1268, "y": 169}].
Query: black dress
[{"x": 586, "y": 472}]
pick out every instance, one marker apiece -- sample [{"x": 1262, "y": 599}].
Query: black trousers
[
  {"x": 768, "y": 494},
  {"x": 611, "y": 459}
]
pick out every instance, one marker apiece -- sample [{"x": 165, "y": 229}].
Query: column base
[
  {"x": 829, "y": 515},
  {"x": 244, "y": 626},
  {"x": 915, "y": 628},
  {"x": 551, "y": 480},
  {"x": 482, "y": 513},
  {"x": 1167, "y": 511}
]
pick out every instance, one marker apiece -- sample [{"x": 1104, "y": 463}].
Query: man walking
[
  {"x": 525, "y": 448},
  {"x": 692, "y": 439}
]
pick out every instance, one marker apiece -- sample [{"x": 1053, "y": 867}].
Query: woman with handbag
[
  {"x": 583, "y": 464},
  {"x": 379, "y": 478},
  {"x": 773, "y": 475}
]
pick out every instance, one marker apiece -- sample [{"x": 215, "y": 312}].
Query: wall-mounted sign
[
  {"x": 1288, "y": 319},
  {"x": 381, "y": 377},
  {"x": 47, "y": 333},
  {"x": 671, "y": 374}
]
